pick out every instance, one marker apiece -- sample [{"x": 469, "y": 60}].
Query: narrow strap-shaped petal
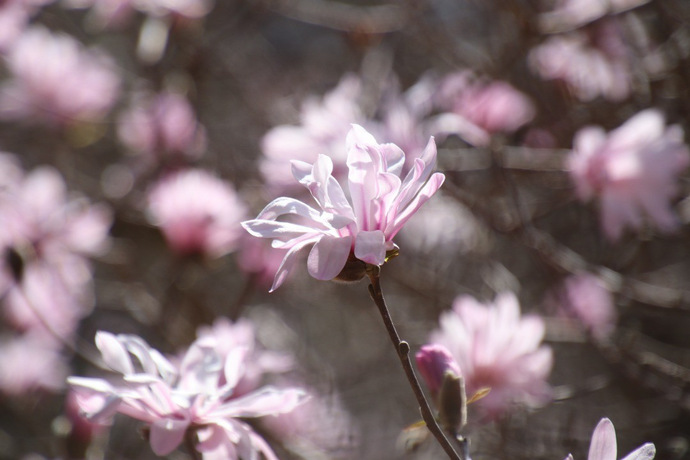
[
  {"x": 262, "y": 402},
  {"x": 422, "y": 197},
  {"x": 645, "y": 452},
  {"x": 328, "y": 256},
  {"x": 289, "y": 261},
  {"x": 273, "y": 229},
  {"x": 285, "y": 205},
  {"x": 114, "y": 354},
  {"x": 603, "y": 445}
]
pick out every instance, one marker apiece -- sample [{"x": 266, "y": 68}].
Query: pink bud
[{"x": 433, "y": 362}]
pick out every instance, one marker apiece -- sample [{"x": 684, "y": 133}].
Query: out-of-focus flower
[
  {"x": 256, "y": 258},
  {"x": 482, "y": 108},
  {"x": 30, "y": 362},
  {"x": 585, "y": 297},
  {"x": 382, "y": 202},
  {"x": 197, "y": 212},
  {"x": 197, "y": 395},
  {"x": 14, "y": 18},
  {"x": 433, "y": 361},
  {"x": 633, "y": 170},
  {"x": 603, "y": 445},
  {"x": 45, "y": 236},
  {"x": 162, "y": 128},
  {"x": 56, "y": 81},
  {"x": 569, "y": 14},
  {"x": 229, "y": 336},
  {"x": 496, "y": 348},
  {"x": 324, "y": 124},
  {"x": 591, "y": 65},
  {"x": 115, "y": 13}
]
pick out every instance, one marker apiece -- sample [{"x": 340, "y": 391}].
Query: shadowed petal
[{"x": 328, "y": 256}]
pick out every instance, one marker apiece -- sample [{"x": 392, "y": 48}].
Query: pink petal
[
  {"x": 371, "y": 247},
  {"x": 167, "y": 434},
  {"x": 422, "y": 197},
  {"x": 328, "y": 256},
  {"x": 645, "y": 452},
  {"x": 603, "y": 445},
  {"x": 114, "y": 353}
]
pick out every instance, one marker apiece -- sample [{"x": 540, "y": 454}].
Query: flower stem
[{"x": 403, "y": 349}]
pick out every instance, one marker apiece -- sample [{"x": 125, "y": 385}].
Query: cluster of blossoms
[
  {"x": 45, "y": 277},
  {"x": 207, "y": 396},
  {"x": 632, "y": 170},
  {"x": 382, "y": 202},
  {"x": 54, "y": 80}
]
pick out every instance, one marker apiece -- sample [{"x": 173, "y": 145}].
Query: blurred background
[{"x": 138, "y": 134}]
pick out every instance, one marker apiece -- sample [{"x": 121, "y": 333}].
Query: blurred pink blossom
[
  {"x": 481, "y": 108},
  {"x": 603, "y": 445},
  {"x": 633, "y": 170},
  {"x": 30, "y": 362},
  {"x": 591, "y": 64},
  {"x": 256, "y": 258},
  {"x": 324, "y": 124},
  {"x": 585, "y": 297},
  {"x": 197, "y": 212},
  {"x": 163, "y": 128},
  {"x": 433, "y": 361},
  {"x": 197, "y": 395},
  {"x": 45, "y": 237},
  {"x": 56, "y": 81},
  {"x": 382, "y": 202},
  {"x": 115, "y": 13},
  {"x": 497, "y": 348},
  {"x": 229, "y": 336},
  {"x": 14, "y": 19},
  {"x": 569, "y": 14}
]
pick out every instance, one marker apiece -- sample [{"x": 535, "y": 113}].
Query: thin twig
[{"x": 403, "y": 349}]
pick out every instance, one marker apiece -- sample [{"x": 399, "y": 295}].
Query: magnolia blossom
[
  {"x": 55, "y": 80},
  {"x": 115, "y": 13},
  {"x": 324, "y": 124},
  {"x": 497, "y": 348},
  {"x": 198, "y": 395},
  {"x": 382, "y": 202},
  {"x": 633, "y": 170},
  {"x": 197, "y": 212},
  {"x": 590, "y": 64},
  {"x": 480, "y": 108},
  {"x": 603, "y": 445},
  {"x": 14, "y": 18},
  {"x": 163, "y": 127},
  {"x": 585, "y": 297},
  {"x": 45, "y": 238}
]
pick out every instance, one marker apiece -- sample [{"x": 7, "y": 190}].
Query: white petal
[
  {"x": 328, "y": 256},
  {"x": 371, "y": 247}
]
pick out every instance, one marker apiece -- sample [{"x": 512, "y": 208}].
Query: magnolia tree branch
[{"x": 403, "y": 349}]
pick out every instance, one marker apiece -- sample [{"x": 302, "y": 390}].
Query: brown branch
[{"x": 403, "y": 350}]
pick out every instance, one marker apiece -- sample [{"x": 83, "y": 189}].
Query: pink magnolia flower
[
  {"x": 382, "y": 202},
  {"x": 197, "y": 212},
  {"x": 497, "y": 348},
  {"x": 586, "y": 298},
  {"x": 56, "y": 81},
  {"x": 115, "y": 13},
  {"x": 14, "y": 18},
  {"x": 480, "y": 108},
  {"x": 633, "y": 170},
  {"x": 324, "y": 124},
  {"x": 197, "y": 395},
  {"x": 603, "y": 445},
  {"x": 258, "y": 361},
  {"x": 590, "y": 64},
  {"x": 46, "y": 236},
  {"x": 163, "y": 127},
  {"x": 30, "y": 362}
]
